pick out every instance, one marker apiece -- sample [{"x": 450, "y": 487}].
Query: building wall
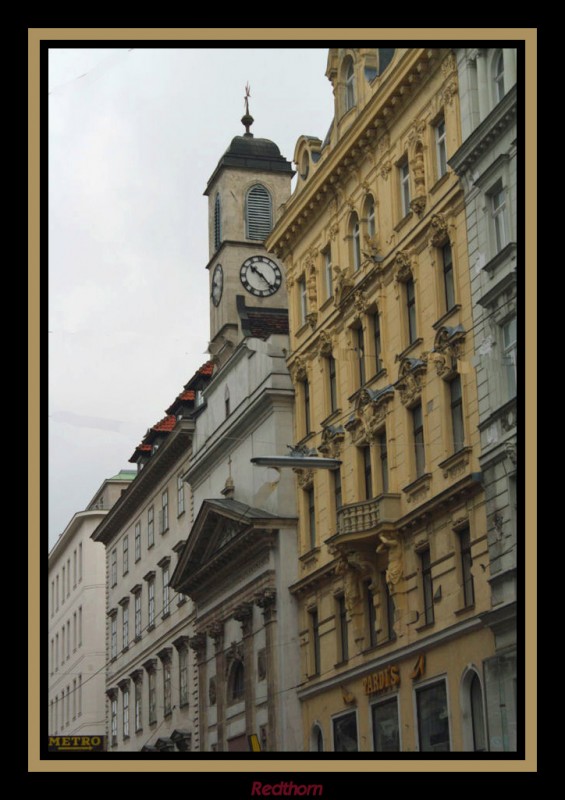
[
  {"x": 260, "y": 423},
  {"x": 378, "y": 537},
  {"x": 76, "y": 669},
  {"x": 487, "y": 164}
]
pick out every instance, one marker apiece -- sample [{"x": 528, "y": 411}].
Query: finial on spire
[{"x": 247, "y": 119}]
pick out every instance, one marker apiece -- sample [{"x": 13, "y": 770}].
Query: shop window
[
  {"x": 433, "y": 718},
  {"x": 345, "y": 733},
  {"x": 386, "y": 732}
]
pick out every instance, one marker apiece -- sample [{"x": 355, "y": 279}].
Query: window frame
[
  {"x": 342, "y": 716},
  {"x": 418, "y": 439},
  {"x": 404, "y": 186},
  {"x": 258, "y": 226},
  {"x": 440, "y": 140},
  {"x": 388, "y": 700}
]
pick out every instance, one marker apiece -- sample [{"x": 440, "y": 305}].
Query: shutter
[{"x": 258, "y": 213}]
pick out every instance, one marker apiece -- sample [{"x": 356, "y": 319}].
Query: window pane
[
  {"x": 345, "y": 734},
  {"x": 433, "y": 723},
  {"x": 386, "y": 737}
]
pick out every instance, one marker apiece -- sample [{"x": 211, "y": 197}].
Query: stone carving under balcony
[
  {"x": 332, "y": 439},
  {"x": 410, "y": 379},
  {"x": 449, "y": 347},
  {"x": 367, "y": 420}
]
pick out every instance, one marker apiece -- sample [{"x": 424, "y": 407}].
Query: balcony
[{"x": 366, "y": 516}]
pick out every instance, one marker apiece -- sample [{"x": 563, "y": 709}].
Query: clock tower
[{"x": 245, "y": 192}]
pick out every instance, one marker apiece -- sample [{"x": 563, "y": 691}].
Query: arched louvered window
[
  {"x": 258, "y": 213},
  {"x": 217, "y": 222}
]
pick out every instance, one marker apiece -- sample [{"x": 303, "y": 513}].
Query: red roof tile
[
  {"x": 207, "y": 368},
  {"x": 166, "y": 424},
  {"x": 139, "y": 451}
]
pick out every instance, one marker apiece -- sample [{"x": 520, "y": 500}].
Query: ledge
[
  {"x": 419, "y": 483},
  {"x": 440, "y": 182},
  {"x": 455, "y": 464},
  {"x": 410, "y": 347},
  {"x": 403, "y": 221},
  {"x": 443, "y": 319}
]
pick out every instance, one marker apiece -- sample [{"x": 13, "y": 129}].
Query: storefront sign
[
  {"x": 384, "y": 679},
  {"x": 77, "y": 743}
]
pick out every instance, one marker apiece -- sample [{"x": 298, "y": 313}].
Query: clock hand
[{"x": 260, "y": 274}]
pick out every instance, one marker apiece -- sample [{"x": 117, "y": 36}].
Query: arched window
[
  {"x": 355, "y": 235},
  {"x": 472, "y": 712},
  {"x": 317, "y": 740},
  {"x": 370, "y": 216},
  {"x": 498, "y": 77},
  {"x": 349, "y": 76},
  {"x": 236, "y": 686},
  {"x": 217, "y": 222},
  {"x": 258, "y": 213},
  {"x": 478, "y": 721}
]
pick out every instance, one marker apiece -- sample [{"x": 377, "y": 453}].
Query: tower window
[
  {"x": 217, "y": 222},
  {"x": 258, "y": 213}
]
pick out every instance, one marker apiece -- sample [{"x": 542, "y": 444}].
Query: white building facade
[
  {"x": 77, "y": 598},
  {"x": 487, "y": 164}
]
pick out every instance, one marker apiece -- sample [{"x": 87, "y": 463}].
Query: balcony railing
[{"x": 364, "y": 516}]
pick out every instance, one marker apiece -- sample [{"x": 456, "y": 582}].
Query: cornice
[
  {"x": 303, "y": 206},
  {"x": 484, "y": 136},
  {"x": 160, "y": 466}
]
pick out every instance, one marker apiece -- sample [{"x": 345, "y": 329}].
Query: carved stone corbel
[
  {"x": 410, "y": 379},
  {"x": 332, "y": 439},
  {"x": 403, "y": 267},
  {"x": 298, "y": 370},
  {"x": 305, "y": 476}
]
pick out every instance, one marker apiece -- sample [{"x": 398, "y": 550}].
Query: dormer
[{"x": 306, "y": 156}]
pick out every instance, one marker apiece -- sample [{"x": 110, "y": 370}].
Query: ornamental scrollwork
[
  {"x": 439, "y": 230},
  {"x": 403, "y": 267},
  {"x": 305, "y": 477},
  {"x": 449, "y": 347},
  {"x": 332, "y": 439},
  {"x": 299, "y": 370},
  {"x": 410, "y": 379},
  {"x": 324, "y": 345}
]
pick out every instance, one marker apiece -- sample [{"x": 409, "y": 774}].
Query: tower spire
[{"x": 247, "y": 119}]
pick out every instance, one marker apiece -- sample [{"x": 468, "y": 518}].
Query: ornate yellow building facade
[{"x": 394, "y": 567}]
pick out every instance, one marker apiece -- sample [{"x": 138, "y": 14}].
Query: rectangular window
[
  {"x": 360, "y": 349},
  {"x": 180, "y": 496},
  {"x": 62, "y": 644},
  {"x": 56, "y": 652},
  {"x": 125, "y": 713},
  {"x": 52, "y": 656},
  {"x": 113, "y": 567},
  {"x": 448, "y": 285},
  {"x": 57, "y": 594},
  {"x": 80, "y": 626},
  {"x": 68, "y": 705},
  {"x": 138, "y": 615},
  {"x": 74, "y": 631},
  {"x": 68, "y": 577},
  {"x": 456, "y": 403},
  {"x": 151, "y": 602},
  {"x": 386, "y": 734},
  {"x": 80, "y": 562},
  {"x": 79, "y": 695},
  {"x": 367, "y": 472},
  {"x": 165, "y": 511},
  {"x": 411, "y": 310},
  {"x": 167, "y": 687},
  {"x": 428, "y": 588},
  {"x": 509, "y": 336},
  {"x": 303, "y": 299},
  {"x": 441, "y": 148},
  {"x": 388, "y": 608},
  {"x": 377, "y": 342},
  {"x": 113, "y": 636},
  {"x": 383, "y": 452},
  {"x": 166, "y": 604},
  {"x": 137, "y": 541},
  {"x": 138, "y": 687},
  {"x": 314, "y": 642},
  {"x": 345, "y": 733},
  {"x": 332, "y": 383},
  {"x": 152, "y": 698},
  {"x": 63, "y": 586},
  {"x": 183, "y": 676},
  {"x": 328, "y": 271},
  {"x": 74, "y": 698},
  {"x": 404, "y": 174},
  {"x": 114, "y": 720},
  {"x": 126, "y": 555},
  {"x": 433, "y": 719},
  {"x": 306, "y": 396},
  {"x": 466, "y": 567},
  {"x": 311, "y": 509},
  {"x": 150, "y": 526},
  {"x": 498, "y": 210},
  {"x": 337, "y": 489},
  {"x": 68, "y": 638},
  {"x": 371, "y": 616},
  {"x": 52, "y": 597},
  {"x": 418, "y": 433},
  {"x": 342, "y": 631},
  {"x": 74, "y": 569},
  {"x": 125, "y": 626}
]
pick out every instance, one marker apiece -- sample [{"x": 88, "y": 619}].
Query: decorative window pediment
[
  {"x": 449, "y": 347},
  {"x": 371, "y": 408},
  {"x": 410, "y": 379},
  {"x": 332, "y": 438}
]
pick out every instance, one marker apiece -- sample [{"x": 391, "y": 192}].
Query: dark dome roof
[{"x": 247, "y": 152}]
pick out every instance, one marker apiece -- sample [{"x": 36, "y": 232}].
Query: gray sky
[{"x": 133, "y": 137}]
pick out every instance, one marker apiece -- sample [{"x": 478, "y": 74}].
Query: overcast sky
[{"x": 134, "y": 135}]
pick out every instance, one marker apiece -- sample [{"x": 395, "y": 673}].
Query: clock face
[
  {"x": 260, "y": 276},
  {"x": 217, "y": 284}
]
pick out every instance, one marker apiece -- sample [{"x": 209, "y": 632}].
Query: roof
[
  {"x": 261, "y": 322},
  {"x": 166, "y": 424},
  {"x": 248, "y": 152},
  {"x": 242, "y": 511},
  {"x": 124, "y": 475},
  {"x": 138, "y": 452}
]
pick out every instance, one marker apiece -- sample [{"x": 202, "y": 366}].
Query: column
[
  {"x": 482, "y": 84},
  {"x": 509, "y": 59},
  {"x": 244, "y": 615},
  {"x": 266, "y": 600},
  {"x": 198, "y": 645},
  {"x": 216, "y": 633}
]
